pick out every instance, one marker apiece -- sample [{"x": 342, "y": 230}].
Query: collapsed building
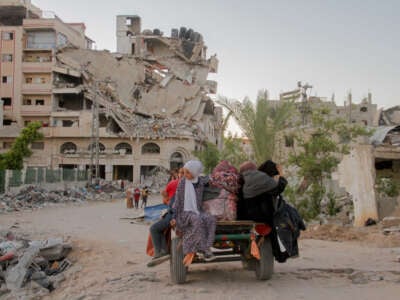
[
  {"x": 152, "y": 96},
  {"x": 371, "y": 163}
]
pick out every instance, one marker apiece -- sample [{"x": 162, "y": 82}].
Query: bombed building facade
[{"x": 148, "y": 104}]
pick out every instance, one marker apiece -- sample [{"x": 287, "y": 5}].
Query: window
[
  {"x": 7, "y": 122},
  {"x": 26, "y": 123},
  {"x": 68, "y": 148},
  {"x": 7, "y": 101},
  {"x": 42, "y": 80},
  {"x": 150, "y": 148},
  {"x": 27, "y": 101},
  {"x": 7, "y": 36},
  {"x": 364, "y": 109},
  {"x": 7, "y": 145},
  {"x": 124, "y": 148},
  {"x": 6, "y": 79},
  {"x": 28, "y": 80},
  {"x": 7, "y": 58},
  {"x": 39, "y": 102},
  {"x": 67, "y": 123},
  {"x": 37, "y": 145},
  {"x": 289, "y": 141}
]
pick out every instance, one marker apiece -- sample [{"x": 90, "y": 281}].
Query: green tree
[
  {"x": 209, "y": 156},
  {"x": 233, "y": 151},
  {"x": 259, "y": 121},
  {"x": 13, "y": 159},
  {"x": 317, "y": 153}
]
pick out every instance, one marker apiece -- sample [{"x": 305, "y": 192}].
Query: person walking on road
[{"x": 145, "y": 194}]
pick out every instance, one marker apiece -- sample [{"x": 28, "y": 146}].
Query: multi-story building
[{"x": 154, "y": 108}]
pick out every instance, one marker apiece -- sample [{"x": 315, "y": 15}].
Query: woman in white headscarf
[{"x": 196, "y": 226}]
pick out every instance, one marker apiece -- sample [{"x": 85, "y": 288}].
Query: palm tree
[{"x": 260, "y": 122}]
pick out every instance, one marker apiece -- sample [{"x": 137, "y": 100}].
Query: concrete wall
[{"x": 356, "y": 173}]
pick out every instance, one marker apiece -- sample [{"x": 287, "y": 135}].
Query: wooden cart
[{"x": 232, "y": 243}]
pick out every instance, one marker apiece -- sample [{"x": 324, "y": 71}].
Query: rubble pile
[
  {"x": 149, "y": 96},
  {"x": 343, "y": 207},
  {"x": 157, "y": 180},
  {"x": 33, "y": 197},
  {"x": 31, "y": 269}
]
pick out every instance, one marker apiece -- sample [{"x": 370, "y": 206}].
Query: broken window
[
  {"x": 7, "y": 36},
  {"x": 67, "y": 123},
  {"x": 37, "y": 145},
  {"x": 62, "y": 39},
  {"x": 7, "y": 79},
  {"x": 7, "y": 145},
  {"x": 150, "y": 148},
  {"x": 68, "y": 148},
  {"x": 7, "y": 58},
  {"x": 41, "y": 40},
  {"x": 176, "y": 161},
  {"x": 124, "y": 148},
  {"x": 7, "y": 101},
  {"x": 289, "y": 141}
]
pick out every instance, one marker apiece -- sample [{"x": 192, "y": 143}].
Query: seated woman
[{"x": 196, "y": 226}]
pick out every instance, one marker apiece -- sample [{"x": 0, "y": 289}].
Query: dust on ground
[{"x": 110, "y": 261}]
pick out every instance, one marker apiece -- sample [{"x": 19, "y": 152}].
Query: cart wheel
[
  {"x": 265, "y": 266},
  {"x": 177, "y": 269}
]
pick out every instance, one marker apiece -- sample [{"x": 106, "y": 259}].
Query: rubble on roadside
[
  {"x": 34, "y": 197},
  {"x": 31, "y": 269}
]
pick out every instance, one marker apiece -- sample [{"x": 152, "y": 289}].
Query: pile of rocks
[
  {"x": 36, "y": 197},
  {"x": 31, "y": 269},
  {"x": 342, "y": 210},
  {"x": 33, "y": 197}
]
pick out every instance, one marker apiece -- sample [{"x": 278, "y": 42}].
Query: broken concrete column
[
  {"x": 356, "y": 173},
  {"x": 15, "y": 277}
]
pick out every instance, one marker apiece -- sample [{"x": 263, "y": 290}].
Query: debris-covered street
[{"x": 108, "y": 260}]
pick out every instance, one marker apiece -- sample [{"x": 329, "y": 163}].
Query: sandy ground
[{"x": 110, "y": 263}]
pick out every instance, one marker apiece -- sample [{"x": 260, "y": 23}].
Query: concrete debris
[
  {"x": 390, "y": 116},
  {"x": 157, "y": 179},
  {"x": 33, "y": 197},
  {"x": 161, "y": 93},
  {"x": 35, "y": 269},
  {"x": 344, "y": 211},
  {"x": 390, "y": 222}
]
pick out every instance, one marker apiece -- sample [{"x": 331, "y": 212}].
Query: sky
[{"x": 337, "y": 46}]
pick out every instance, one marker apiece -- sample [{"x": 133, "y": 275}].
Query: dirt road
[{"x": 110, "y": 263}]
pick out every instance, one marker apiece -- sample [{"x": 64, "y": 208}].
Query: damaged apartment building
[
  {"x": 373, "y": 163},
  {"x": 152, "y": 96}
]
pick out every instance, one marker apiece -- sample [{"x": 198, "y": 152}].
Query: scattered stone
[
  {"x": 390, "y": 222},
  {"x": 358, "y": 278}
]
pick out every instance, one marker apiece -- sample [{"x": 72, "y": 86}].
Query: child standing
[{"x": 136, "y": 197}]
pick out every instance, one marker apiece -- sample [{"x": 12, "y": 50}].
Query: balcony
[
  {"x": 37, "y": 67},
  {"x": 36, "y": 89},
  {"x": 35, "y": 110},
  {"x": 67, "y": 88}
]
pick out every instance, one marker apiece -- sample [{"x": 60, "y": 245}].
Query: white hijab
[{"x": 195, "y": 168}]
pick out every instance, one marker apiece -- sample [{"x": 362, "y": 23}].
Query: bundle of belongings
[
  {"x": 255, "y": 194},
  {"x": 220, "y": 194},
  {"x": 260, "y": 200}
]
